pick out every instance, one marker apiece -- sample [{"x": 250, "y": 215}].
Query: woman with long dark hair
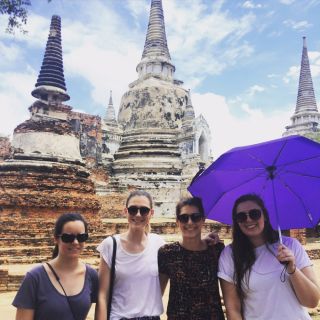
[
  {"x": 261, "y": 278},
  {"x": 63, "y": 288}
]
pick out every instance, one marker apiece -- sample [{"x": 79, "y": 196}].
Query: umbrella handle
[{"x": 280, "y": 235}]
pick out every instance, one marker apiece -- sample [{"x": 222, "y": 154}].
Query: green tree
[{"x": 17, "y": 12}]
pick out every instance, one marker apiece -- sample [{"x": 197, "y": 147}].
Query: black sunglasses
[
  {"x": 69, "y": 237},
  {"x": 254, "y": 214},
  {"x": 195, "y": 217},
  {"x": 133, "y": 210}
]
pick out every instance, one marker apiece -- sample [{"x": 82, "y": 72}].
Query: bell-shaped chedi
[
  {"x": 46, "y": 174},
  {"x": 152, "y": 114}
]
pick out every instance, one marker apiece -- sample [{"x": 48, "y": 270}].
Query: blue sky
[{"x": 241, "y": 59}]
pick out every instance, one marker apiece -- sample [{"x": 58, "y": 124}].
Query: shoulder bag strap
[
  {"x": 58, "y": 280},
  {"x": 112, "y": 276}
]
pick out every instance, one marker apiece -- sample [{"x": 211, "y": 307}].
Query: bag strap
[
  {"x": 58, "y": 280},
  {"x": 112, "y": 276}
]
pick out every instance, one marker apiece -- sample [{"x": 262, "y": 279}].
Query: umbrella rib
[
  {"x": 302, "y": 174},
  {"x": 299, "y": 161},
  {"x": 286, "y": 185}
]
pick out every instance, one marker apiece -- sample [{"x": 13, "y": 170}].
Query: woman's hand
[
  {"x": 212, "y": 238},
  {"x": 285, "y": 255}
]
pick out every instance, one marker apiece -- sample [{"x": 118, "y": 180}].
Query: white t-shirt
[
  {"x": 267, "y": 297},
  {"x": 136, "y": 290}
]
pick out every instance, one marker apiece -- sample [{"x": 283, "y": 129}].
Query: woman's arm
[
  {"x": 305, "y": 286},
  {"x": 303, "y": 281},
  {"x": 231, "y": 300},
  {"x": 24, "y": 314},
  {"x": 103, "y": 293},
  {"x": 163, "y": 282}
]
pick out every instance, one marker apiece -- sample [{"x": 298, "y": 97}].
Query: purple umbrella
[{"x": 285, "y": 173}]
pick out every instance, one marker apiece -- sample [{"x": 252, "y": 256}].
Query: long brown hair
[{"x": 242, "y": 249}]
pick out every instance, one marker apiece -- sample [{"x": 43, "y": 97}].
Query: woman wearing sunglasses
[
  {"x": 254, "y": 284},
  {"x": 191, "y": 265},
  {"x": 136, "y": 292},
  {"x": 64, "y": 287}
]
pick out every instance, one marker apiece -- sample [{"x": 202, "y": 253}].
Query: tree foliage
[{"x": 17, "y": 12}]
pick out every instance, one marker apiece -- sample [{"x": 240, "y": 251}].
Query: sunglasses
[
  {"x": 133, "y": 210},
  {"x": 69, "y": 237},
  {"x": 195, "y": 217},
  {"x": 254, "y": 214}
]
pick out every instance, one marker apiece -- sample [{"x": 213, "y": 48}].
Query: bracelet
[{"x": 294, "y": 270}]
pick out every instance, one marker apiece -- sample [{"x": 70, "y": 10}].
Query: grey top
[{"x": 38, "y": 293}]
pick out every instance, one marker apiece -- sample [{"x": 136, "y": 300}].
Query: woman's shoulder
[
  {"x": 91, "y": 270},
  {"x": 291, "y": 242},
  {"x": 156, "y": 240},
  {"x": 37, "y": 270},
  {"x": 171, "y": 247}
]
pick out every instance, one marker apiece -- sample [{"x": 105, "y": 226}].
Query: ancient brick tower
[
  {"x": 161, "y": 139},
  {"x": 46, "y": 175},
  {"x": 306, "y": 117}
]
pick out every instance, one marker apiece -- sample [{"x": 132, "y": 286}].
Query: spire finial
[
  {"x": 110, "y": 99},
  {"x": 110, "y": 114},
  {"x": 51, "y": 76},
  {"x": 156, "y": 40},
  {"x": 306, "y": 99}
]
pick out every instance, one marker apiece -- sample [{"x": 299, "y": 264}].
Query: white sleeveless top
[{"x": 136, "y": 291}]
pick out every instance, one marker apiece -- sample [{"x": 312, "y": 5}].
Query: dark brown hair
[
  {"x": 190, "y": 201},
  {"x": 242, "y": 249},
  {"x": 61, "y": 221}
]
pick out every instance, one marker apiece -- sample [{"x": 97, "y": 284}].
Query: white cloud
[
  {"x": 229, "y": 131},
  {"x": 287, "y": 2},
  {"x": 205, "y": 33},
  {"x": 15, "y": 99},
  {"x": 297, "y": 25},
  {"x": 255, "y": 89},
  {"x": 251, "y": 5},
  {"x": 292, "y": 74}
]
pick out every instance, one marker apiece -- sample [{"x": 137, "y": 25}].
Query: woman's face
[
  {"x": 139, "y": 212},
  {"x": 191, "y": 227},
  {"x": 252, "y": 224},
  {"x": 71, "y": 249}
]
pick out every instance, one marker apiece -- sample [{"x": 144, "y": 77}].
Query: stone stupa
[
  {"x": 162, "y": 143},
  {"x": 45, "y": 175}
]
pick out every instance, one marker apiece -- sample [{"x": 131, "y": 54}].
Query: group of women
[{"x": 260, "y": 278}]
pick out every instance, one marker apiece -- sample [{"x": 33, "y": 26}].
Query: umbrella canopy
[{"x": 285, "y": 173}]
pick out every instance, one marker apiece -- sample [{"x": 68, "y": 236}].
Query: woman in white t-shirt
[
  {"x": 254, "y": 284},
  {"x": 136, "y": 291}
]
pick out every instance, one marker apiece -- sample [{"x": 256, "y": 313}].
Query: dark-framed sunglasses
[
  {"x": 254, "y": 214},
  {"x": 133, "y": 210},
  {"x": 195, "y": 217},
  {"x": 69, "y": 237}
]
